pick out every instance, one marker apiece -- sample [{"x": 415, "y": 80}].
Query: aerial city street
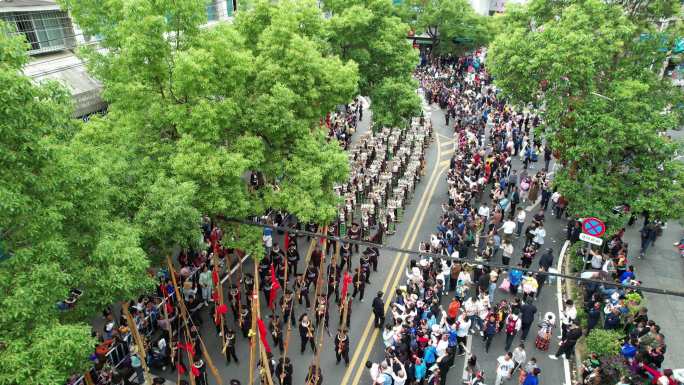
[{"x": 369, "y": 192}]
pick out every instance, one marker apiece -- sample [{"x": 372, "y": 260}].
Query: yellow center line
[
  {"x": 422, "y": 207},
  {"x": 404, "y": 258}
]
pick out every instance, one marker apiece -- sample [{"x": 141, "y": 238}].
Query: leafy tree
[
  {"x": 210, "y": 105},
  {"x": 452, "y": 25},
  {"x": 368, "y": 33},
  {"x": 605, "y": 343},
  {"x": 604, "y": 105},
  {"x": 57, "y": 229}
]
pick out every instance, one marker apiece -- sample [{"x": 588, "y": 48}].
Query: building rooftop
[
  {"x": 27, "y": 5},
  {"x": 70, "y": 71}
]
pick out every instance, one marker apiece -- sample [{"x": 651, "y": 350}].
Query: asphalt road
[
  {"x": 552, "y": 371},
  {"x": 419, "y": 221}
]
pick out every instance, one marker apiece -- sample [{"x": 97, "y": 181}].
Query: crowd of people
[
  {"x": 385, "y": 165},
  {"x": 297, "y": 285},
  {"x": 482, "y": 216},
  {"x": 614, "y": 303},
  {"x": 451, "y": 291},
  {"x": 342, "y": 124}
]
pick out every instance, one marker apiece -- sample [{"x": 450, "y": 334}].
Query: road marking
[
  {"x": 404, "y": 258},
  {"x": 559, "y": 294},
  {"x": 447, "y": 143},
  {"x": 422, "y": 206},
  {"x": 468, "y": 349}
]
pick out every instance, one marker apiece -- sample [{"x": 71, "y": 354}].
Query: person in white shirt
[
  {"x": 462, "y": 327},
  {"x": 373, "y": 369},
  {"x": 568, "y": 316},
  {"x": 469, "y": 307},
  {"x": 519, "y": 356},
  {"x": 400, "y": 376},
  {"x": 554, "y": 200},
  {"x": 609, "y": 267},
  {"x": 483, "y": 211},
  {"x": 508, "y": 228},
  {"x": 435, "y": 242},
  {"x": 504, "y": 368},
  {"x": 596, "y": 260},
  {"x": 464, "y": 277},
  {"x": 539, "y": 234},
  {"x": 442, "y": 345},
  {"x": 482, "y": 311},
  {"x": 520, "y": 221},
  {"x": 388, "y": 335}
]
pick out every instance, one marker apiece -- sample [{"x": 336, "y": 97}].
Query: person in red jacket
[{"x": 664, "y": 378}]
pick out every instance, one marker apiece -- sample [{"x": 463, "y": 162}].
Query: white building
[
  {"x": 490, "y": 7},
  {"x": 53, "y": 39}
]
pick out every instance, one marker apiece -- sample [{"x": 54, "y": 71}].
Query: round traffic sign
[{"x": 593, "y": 226}]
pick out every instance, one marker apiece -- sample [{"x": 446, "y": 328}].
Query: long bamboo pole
[
  {"x": 139, "y": 342},
  {"x": 219, "y": 316},
  {"x": 88, "y": 378},
  {"x": 265, "y": 362},
  {"x": 166, "y": 300},
  {"x": 252, "y": 348},
  {"x": 312, "y": 245},
  {"x": 183, "y": 315},
  {"x": 321, "y": 281}
]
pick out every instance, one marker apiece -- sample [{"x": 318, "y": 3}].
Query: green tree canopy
[
  {"x": 452, "y": 25},
  {"x": 58, "y": 229},
  {"x": 197, "y": 109},
  {"x": 368, "y": 33},
  {"x": 605, "y": 105}
]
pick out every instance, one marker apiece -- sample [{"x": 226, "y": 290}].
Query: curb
[{"x": 559, "y": 297}]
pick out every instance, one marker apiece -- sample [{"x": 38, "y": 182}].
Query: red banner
[
  {"x": 275, "y": 286},
  {"x": 262, "y": 334}
]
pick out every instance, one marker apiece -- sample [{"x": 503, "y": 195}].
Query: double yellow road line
[{"x": 395, "y": 274}]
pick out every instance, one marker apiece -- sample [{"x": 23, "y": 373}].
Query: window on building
[
  {"x": 212, "y": 12},
  {"x": 231, "y": 6},
  {"x": 44, "y": 31}
]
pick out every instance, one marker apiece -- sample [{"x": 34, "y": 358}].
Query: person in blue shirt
[
  {"x": 629, "y": 349},
  {"x": 421, "y": 370},
  {"x": 515, "y": 278},
  {"x": 627, "y": 275},
  {"x": 430, "y": 355},
  {"x": 532, "y": 378}
]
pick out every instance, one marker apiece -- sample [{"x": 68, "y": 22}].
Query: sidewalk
[{"x": 663, "y": 268}]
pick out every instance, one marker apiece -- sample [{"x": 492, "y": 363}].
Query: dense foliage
[
  {"x": 58, "y": 229},
  {"x": 367, "y": 32},
  {"x": 452, "y": 25},
  {"x": 192, "y": 111},
  {"x": 605, "y": 343},
  {"x": 595, "y": 69}
]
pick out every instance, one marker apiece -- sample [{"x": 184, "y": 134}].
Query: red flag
[
  {"x": 346, "y": 280},
  {"x": 215, "y": 277},
  {"x": 181, "y": 369},
  {"x": 262, "y": 334},
  {"x": 286, "y": 241},
  {"x": 195, "y": 371},
  {"x": 275, "y": 286},
  {"x": 321, "y": 240}
]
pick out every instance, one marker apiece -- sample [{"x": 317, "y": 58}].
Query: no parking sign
[
  {"x": 593, "y": 226},
  {"x": 592, "y": 229}
]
